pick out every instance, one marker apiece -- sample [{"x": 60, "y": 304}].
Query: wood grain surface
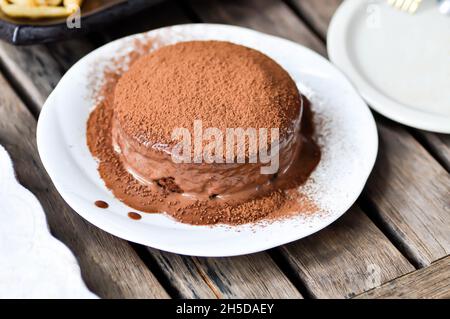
[
  {"x": 268, "y": 16},
  {"x": 317, "y": 13},
  {"x": 426, "y": 283},
  {"x": 32, "y": 69},
  {"x": 347, "y": 258},
  {"x": 439, "y": 146},
  {"x": 251, "y": 276},
  {"x": 410, "y": 192}
]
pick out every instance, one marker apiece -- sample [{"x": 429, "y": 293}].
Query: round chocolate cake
[
  {"x": 197, "y": 88},
  {"x": 221, "y": 84}
]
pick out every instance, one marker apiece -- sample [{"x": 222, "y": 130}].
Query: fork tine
[
  {"x": 410, "y": 6},
  {"x": 406, "y": 5},
  {"x": 414, "y": 6},
  {"x": 398, "y": 4}
]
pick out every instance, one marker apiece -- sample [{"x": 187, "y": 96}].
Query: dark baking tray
[{"x": 94, "y": 14}]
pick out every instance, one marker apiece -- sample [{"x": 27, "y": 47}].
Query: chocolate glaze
[
  {"x": 227, "y": 182},
  {"x": 101, "y": 204},
  {"x": 134, "y": 215}
]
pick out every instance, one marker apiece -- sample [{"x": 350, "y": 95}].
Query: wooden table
[{"x": 394, "y": 242}]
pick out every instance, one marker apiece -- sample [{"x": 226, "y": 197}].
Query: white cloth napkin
[{"x": 33, "y": 264}]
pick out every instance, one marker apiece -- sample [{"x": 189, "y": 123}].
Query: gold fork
[{"x": 409, "y": 6}]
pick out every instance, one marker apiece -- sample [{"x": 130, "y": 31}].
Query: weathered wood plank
[
  {"x": 432, "y": 282},
  {"x": 66, "y": 53},
  {"x": 185, "y": 272},
  {"x": 408, "y": 188},
  {"x": 317, "y": 13},
  {"x": 264, "y": 15},
  {"x": 439, "y": 145},
  {"x": 411, "y": 194},
  {"x": 33, "y": 69},
  {"x": 363, "y": 241},
  {"x": 184, "y": 276},
  {"x": 110, "y": 266},
  {"x": 252, "y": 276},
  {"x": 347, "y": 258},
  {"x": 163, "y": 14}
]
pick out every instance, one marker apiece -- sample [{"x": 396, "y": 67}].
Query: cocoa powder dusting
[
  {"x": 237, "y": 87},
  {"x": 273, "y": 87}
]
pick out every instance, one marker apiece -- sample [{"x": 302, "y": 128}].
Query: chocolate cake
[{"x": 222, "y": 84}]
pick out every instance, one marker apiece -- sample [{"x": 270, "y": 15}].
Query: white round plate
[
  {"x": 400, "y": 63},
  {"x": 349, "y": 145}
]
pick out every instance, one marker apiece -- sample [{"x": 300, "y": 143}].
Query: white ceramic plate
[
  {"x": 400, "y": 63},
  {"x": 349, "y": 145}
]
